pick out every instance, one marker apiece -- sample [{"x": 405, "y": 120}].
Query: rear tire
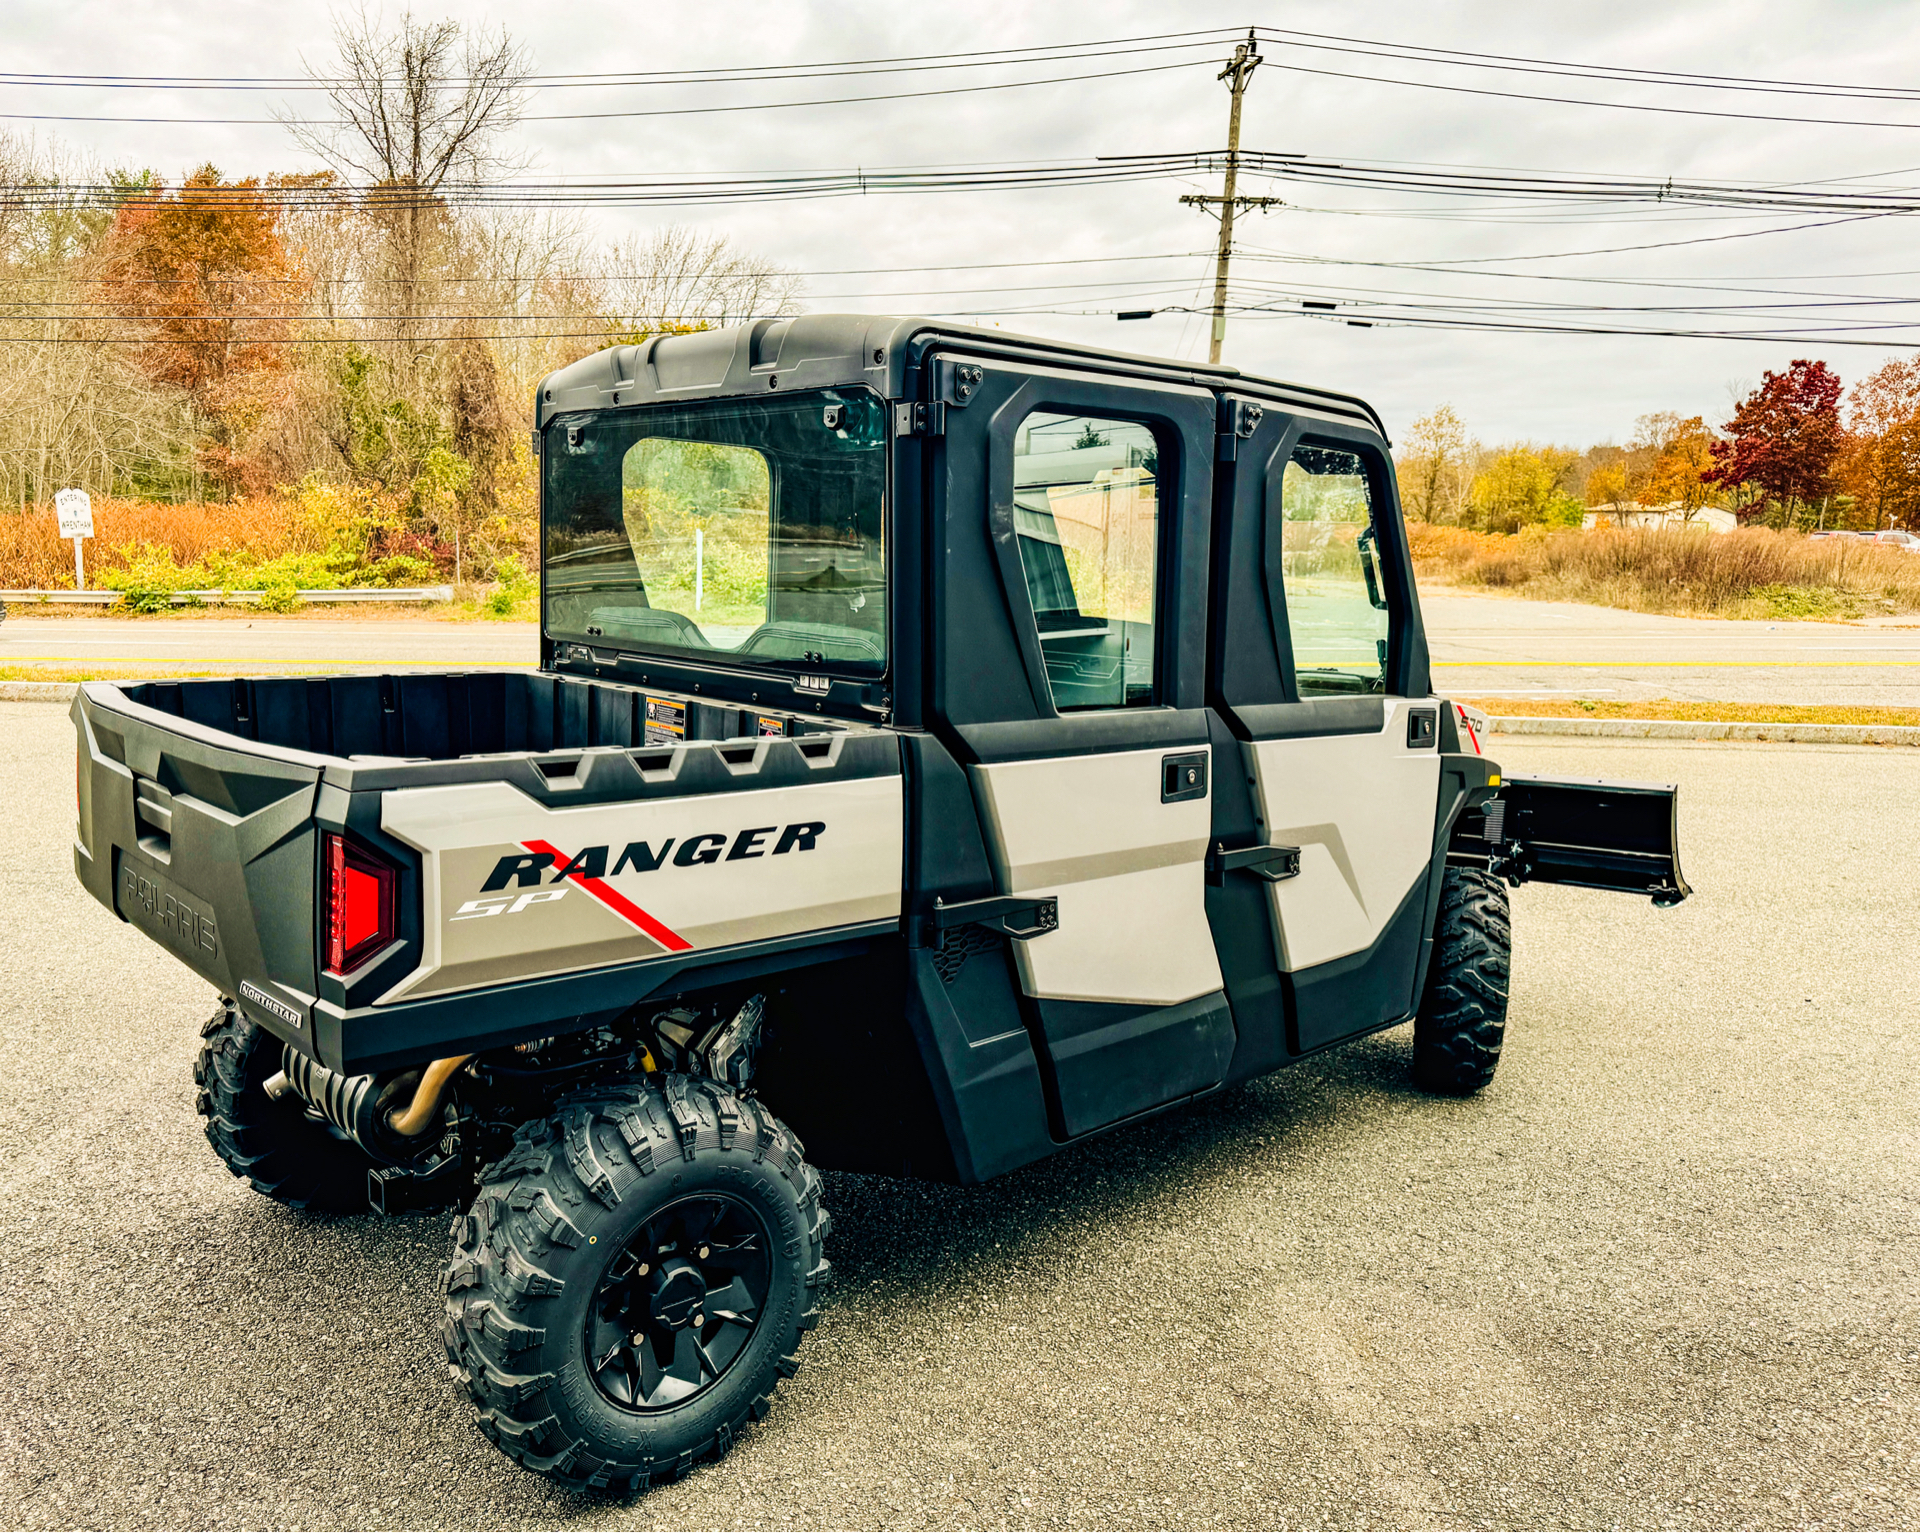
[
  {"x": 1463, "y": 1015},
  {"x": 633, "y": 1281},
  {"x": 284, "y": 1153}
]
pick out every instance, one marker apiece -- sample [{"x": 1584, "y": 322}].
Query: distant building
[{"x": 1626, "y": 514}]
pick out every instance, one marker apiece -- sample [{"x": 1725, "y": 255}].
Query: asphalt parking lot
[{"x": 1661, "y": 1274}]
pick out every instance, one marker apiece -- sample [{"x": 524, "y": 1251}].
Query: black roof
[{"x": 840, "y": 350}]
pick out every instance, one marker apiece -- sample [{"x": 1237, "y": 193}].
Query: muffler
[{"x": 371, "y": 1115}]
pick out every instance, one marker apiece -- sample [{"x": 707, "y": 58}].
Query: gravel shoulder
[{"x": 1660, "y": 1275}]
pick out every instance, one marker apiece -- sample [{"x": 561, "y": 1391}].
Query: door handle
[
  {"x": 1183, "y": 776},
  {"x": 1272, "y": 863},
  {"x": 1038, "y": 915}
]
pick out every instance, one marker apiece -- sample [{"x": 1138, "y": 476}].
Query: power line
[
  {"x": 1628, "y": 74},
  {"x": 1041, "y": 53},
  {"x": 679, "y": 111},
  {"x": 1618, "y": 106}
]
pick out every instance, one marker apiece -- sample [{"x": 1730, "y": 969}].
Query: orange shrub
[{"x": 34, "y": 556}]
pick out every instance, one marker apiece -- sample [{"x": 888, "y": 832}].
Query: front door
[
  {"x": 1338, "y": 736},
  {"x": 1068, "y": 668}
]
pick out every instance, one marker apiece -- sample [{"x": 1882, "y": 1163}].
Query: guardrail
[{"x": 222, "y": 598}]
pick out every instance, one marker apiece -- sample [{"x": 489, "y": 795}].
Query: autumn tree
[
  {"x": 1879, "y": 466},
  {"x": 1680, "y": 454},
  {"x": 205, "y": 273},
  {"x": 1525, "y": 487},
  {"x": 1782, "y": 441},
  {"x": 1433, "y": 470}
]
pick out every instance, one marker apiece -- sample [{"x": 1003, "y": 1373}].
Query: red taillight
[{"x": 359, "y": 914}]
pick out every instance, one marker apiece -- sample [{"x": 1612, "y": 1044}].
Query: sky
[{"x": 1133, "y": 245}]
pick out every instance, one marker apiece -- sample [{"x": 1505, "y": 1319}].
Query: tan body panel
[
  {"x": 739, "y": 887},
  {"x": 1129, "y": 873},
  {"x": 1360, "y": 808}
]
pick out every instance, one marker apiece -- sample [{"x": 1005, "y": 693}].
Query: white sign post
[{"x": 75, "y": 510}]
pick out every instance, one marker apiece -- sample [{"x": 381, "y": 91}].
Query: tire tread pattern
[
  {"x": 282, "y": 1153},
  {"x": 1462, "y": 1020},
  {"x": 498, "y": 1274}
]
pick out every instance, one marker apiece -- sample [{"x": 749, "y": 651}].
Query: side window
[
  {"x": 1087, "y": 510},
  {"x": 1336, "y": 602}
]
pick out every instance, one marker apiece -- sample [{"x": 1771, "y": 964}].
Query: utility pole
[{"x": 1236, "y": 74}]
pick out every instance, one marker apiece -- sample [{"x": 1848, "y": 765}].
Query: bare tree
[
  {"x": 683, "y": 279},
  {"x": 418, "y": 106}
]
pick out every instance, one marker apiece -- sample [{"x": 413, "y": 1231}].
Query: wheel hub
[
  {"x": 679, "y": 1294},
  {"x": 678, "y": 1303}
]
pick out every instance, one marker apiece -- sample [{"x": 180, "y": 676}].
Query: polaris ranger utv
[{"x": 946, "y": 747}]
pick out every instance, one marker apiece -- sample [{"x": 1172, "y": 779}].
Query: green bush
[{"x": 517, "y": 584}]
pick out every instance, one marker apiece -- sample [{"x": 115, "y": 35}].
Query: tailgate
[
  {"x": 1593, "y": 833},
  {"x": 206, "y": 842}
]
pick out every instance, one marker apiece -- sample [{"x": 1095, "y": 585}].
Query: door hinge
[
  {"x": 916, "y": 419},
  {"x": 1273, "y": 863},
  {"x": 1022, "y": 916}
]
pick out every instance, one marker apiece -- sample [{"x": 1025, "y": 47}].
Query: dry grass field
[{"x": 1752, "y": 573}]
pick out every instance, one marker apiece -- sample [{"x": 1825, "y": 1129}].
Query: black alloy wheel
[
  {"x": 634, "y": 1279},
  {"x": 679, "y": 1303}
]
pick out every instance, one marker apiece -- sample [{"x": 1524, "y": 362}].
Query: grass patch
[
  {"x": 97, "y": 673},
  {"x": 1751, "y": 573},
  {"x": 1691, "y": 712}
]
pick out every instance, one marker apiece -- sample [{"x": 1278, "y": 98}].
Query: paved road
[
  {"x": 1486, "y": 645},
  {"x": 1660, "y": 1275},
  {"x": 1482, "y": 644}
]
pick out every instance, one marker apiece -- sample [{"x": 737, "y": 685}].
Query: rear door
[
  {"x": 1071, "y": 526},
  {"x": 1319, "y": 668}
]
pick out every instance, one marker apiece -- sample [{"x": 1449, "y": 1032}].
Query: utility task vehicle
[{"x": 946, "y": 747}]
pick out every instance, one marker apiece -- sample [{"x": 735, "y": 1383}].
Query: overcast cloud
[{"x": 1573, "y": 389}]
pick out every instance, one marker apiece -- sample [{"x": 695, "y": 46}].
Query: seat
[
  {"x": 790, "y": 641},
  {"x": 648, "y": 625}
]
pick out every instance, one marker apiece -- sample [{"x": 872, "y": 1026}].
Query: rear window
[{"x": 748, "y": 529}]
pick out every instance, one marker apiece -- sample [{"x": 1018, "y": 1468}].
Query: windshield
[{"x": 748, "y": 528}]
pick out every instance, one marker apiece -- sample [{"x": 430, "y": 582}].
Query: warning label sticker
[
  {"x": 770, "y": 726},
  {"x": 666, "y": 721}
]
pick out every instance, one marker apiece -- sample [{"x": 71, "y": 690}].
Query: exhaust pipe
[{"x": 353, "y": 1103}]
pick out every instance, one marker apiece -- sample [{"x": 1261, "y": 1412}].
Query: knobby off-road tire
[
  {"x": 597, "y": 1212},
  {"x": 276, "y": 1146},
  {"x": 1463, "y": 1015}
]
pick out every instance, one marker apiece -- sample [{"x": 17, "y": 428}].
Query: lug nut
[
  {"x": 643, "y": 1269},
  {"x": 699, "y": 1319},
  {"x": 705, "y": 1252}
]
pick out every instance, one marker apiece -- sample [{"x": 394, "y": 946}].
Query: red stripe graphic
[
  {"x": 1472, "y": 733},
  {"x": 615, "y": 901}
]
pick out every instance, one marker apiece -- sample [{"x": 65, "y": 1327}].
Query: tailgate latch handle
[
  {"x": 1272, "y": 863},
  {"x": 1036, "y": 915}
]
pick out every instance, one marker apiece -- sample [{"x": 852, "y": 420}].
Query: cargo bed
[{"x": 208, "y": 811}]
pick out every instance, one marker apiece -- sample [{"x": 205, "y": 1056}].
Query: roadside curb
[
  {"x": 1685, "y": 729},
  {"x": 38, "y": 691}
]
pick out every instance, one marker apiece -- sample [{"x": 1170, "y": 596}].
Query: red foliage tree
[
  {"x": 1783, "y": 439},
  {"x": 207, "y": 272}
]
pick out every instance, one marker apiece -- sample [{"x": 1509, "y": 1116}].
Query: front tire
[
  {"x": 1462, "y": 1019},
  {"x": 282, "y": 1150},
  {"x": 633, "y": 1280}
]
